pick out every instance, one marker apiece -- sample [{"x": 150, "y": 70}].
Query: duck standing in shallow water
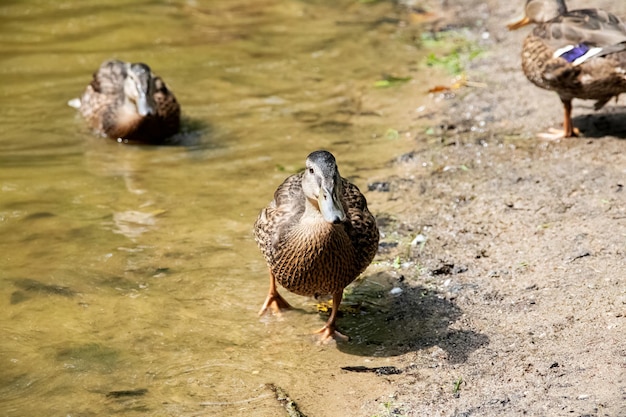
[
  {"x": 127, "y": 101},
  {"x": 577, "y": 54},
  {"x": 317, "y": 236}
]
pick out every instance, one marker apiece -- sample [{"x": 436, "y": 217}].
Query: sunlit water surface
[{"x": 129, "y": 279}]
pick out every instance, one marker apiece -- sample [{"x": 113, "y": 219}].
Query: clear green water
[{"x": 133, "y": 267}]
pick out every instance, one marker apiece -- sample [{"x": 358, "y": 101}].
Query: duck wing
[
  {"x": 581, "y": 34},
  {"x": 360, "y": 225},
  {"x": 277, "y": 219},
  {"x": 109, "y": 79}
]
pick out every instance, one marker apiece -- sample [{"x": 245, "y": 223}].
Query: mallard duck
[
  {"x": 317, "y": 236},
  {"x": 577, "y": 54},
  {"x": 127, "y": 101}
]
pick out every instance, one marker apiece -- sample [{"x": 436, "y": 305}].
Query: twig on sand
[
  {"x": 378, "y": 370},
  {"x": 290, "y": 405},
  {"x": 238, "y": 402}
]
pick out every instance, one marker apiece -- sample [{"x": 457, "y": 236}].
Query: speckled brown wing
[
  {"x": 168, "y": 109},
  {"x": 103, "y": 94},
  {"x": 545, "y": 71},
  {"x": 109, "y": 79},
  {"x": 360, "y": 225},
  {"x": 275, "y": 220},
  {"x": 594, "y": 27}
]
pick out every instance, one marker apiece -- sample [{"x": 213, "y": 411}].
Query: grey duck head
[
  {"x": 322, "y": 186},
  {"x": 139, "y": 88},
  {"x": 539, "y": 11}
]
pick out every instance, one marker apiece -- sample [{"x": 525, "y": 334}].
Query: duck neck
[
  {"x": 129, "y": 107},
  {"x": 312, "y": 212},
  {"x": 312, "y": 227}
]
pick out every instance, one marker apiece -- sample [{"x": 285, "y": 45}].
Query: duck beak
[
  {"x": 519, "y": 23},
  {"x": 144, "y": 107},
  {"x": 330, "y": 206}
]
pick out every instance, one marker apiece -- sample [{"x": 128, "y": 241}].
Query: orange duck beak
[{"x": 518, "y": 24}]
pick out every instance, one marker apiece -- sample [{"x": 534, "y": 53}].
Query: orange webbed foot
[
  {"x": 276, "y": 303},
  {"x": 329, "y": 332},
  {"x": 557, "y": 134}
]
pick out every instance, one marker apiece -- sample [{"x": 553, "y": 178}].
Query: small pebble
[
  {"x": 395, "y": 291},
  {"x": 418, "y": 239}
]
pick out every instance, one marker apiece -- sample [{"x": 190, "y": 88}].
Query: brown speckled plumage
[
  {"x": 106, "y": 106},
  {"x": 307, "y": 254},
  {"x": 599, "y": 77}
]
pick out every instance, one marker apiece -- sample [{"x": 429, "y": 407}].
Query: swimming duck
[
  {"x": 127, "y": 101},
  {"x": 577, "y": 54},
  {"x": 317, "y": 236}
]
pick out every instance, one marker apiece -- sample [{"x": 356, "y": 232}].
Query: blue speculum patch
[{"x": 575, "y": 53}]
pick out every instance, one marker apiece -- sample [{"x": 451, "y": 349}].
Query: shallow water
[{"x": 130, "y": 280}]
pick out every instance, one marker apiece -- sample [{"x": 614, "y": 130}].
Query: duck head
[
  {"x": 539, "y": 11},
  {"x": 321, "y": 184},
  {"x": 139, "y": 88}
]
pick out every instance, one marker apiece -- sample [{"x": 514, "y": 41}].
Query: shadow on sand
[
  {"x": 611, "y": 121},
  {"x": 389, "y": 325}
]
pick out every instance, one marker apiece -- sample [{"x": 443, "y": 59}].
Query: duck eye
[{"x": 311, "y": 171}]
